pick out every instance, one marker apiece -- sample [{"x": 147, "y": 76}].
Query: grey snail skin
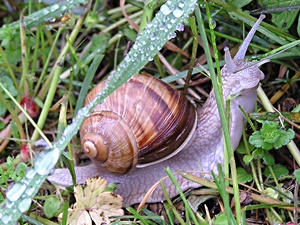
[{"x": 146, "y": 126}]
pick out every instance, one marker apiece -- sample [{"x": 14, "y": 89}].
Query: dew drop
[
  {"x": 52, "y": 20},
  {"x": 173, "y": 35},
  {"x": 213, "y": 23},
  {"x": 30, "y": 191},
  {"x": 9, "y": 204},
  {"x": 161, "y": 27},
  {"x": 178, "y": 12},
  {"x": 45, "y": 162},
  {"x": 152, "y": 37},
  {"x": 38, "y": 181},
  {"x": 64, "y": 8},
  {"x": 54, "y": 7},
  {"x": 165, "y": 9},
  {"x": 45, "y": 11},
  {"x": 6, "y": 218},
  {"x": 15, "y": 192},
  {"x": 25, "y": 204}
]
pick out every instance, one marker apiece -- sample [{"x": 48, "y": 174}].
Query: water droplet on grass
[
  {"x": 25, "y": 204},
  {"x": 30, "y": 191},
  {"x": 46, "y": 161},
  {"x": 30, "y": 174},
  {"x": 6, "y": 218},
  {"x": 178, "y": 12},
  {"x": 15, "y": 192},
  {"x": 54, "y": 7},
  {"x": 165, "y": 9}
]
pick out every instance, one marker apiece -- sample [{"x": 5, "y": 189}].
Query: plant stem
[{"x": 57, "y": 71}]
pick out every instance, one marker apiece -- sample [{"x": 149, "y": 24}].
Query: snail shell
[{"x": 144, "y": 122}]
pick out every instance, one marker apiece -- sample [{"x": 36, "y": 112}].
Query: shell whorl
[
  {"x": 145, "y": 121},
  {"x": 113, "y": 144},
  {"x": 95, "y": 147}
]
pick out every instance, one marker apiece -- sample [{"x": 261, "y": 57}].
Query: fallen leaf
[{"x": 94, "y": 204}]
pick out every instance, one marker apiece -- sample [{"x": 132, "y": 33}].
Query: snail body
[{"x": 202, "y": 149}]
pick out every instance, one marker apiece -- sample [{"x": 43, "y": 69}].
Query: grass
[{"x": 54, "y": 63}]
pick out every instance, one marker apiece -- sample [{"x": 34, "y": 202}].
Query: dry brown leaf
[{"x": 92, "y": 204}]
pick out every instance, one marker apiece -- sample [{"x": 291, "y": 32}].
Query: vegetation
[{"x": 51, "y": 54}]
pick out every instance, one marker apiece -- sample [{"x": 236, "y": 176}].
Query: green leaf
[
  {"x": 271, "y": 192},
  {"x": 10, "y": 173},
  {"x": 269, "y": 132},
  {"x": 247, "y": 159},
  {"x": 2, "y": 125},
  {"x": 284, "y": 18},
  {"x": 256, "y": 139},
  {"x": 1, "y": 198},
  {"x": 20, "y": 172},
  {"x": 258, "y": 153},
  {"x": 268, "y": 159},
  {"x": 298, "y": 26},
  {"x": 285, "y": 138},
  {"x": 8, "y": 84},
  {"x": 242, "y": 149},
  {"x": 15, "y": 132},
  {"x": 220, "y": 219},
  {"x": 278, "y": 170},
  {"x": 239, "y": 3},
  {"x": 129, "y": 33},
  {"x": 297, "y": 175},
  {"x": 243, "y": 176},
  {"x": 51, "y": 207}
]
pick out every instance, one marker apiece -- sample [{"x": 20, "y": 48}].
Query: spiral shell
[{"x": 143, "y": 122}]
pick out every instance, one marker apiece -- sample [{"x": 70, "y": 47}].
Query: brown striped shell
[{"x": 143, "y": 122}]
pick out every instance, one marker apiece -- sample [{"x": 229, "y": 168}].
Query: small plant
[
  {"x": 11, "y": 173},
  {"x": 271, "y": 135}
]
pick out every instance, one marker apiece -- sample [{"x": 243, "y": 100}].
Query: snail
[{"x": 198, "y": 137}]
